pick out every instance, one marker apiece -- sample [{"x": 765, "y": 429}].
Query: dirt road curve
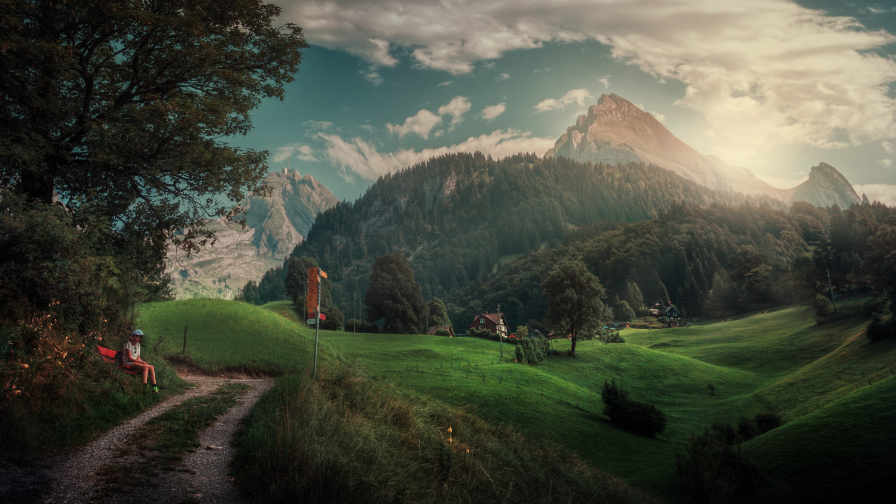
[{"x": 73, "y": 478}]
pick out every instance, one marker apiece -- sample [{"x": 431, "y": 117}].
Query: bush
[
  {"x": 880, "y": 329},
  {"x": 442, "y": 332},
  {"x": 532, "y": 350},
  {"x": 629, "y": 414},
  {"x": 746, "y": 429},
  {"x": 610, "y": 337},
  {"x": 822, "y": 308},
  {"x": 767, "y": 421},
  {"x": 714, "y": 471},
  {"x": 873, "y": 307}
]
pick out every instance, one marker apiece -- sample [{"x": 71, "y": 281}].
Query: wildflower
[{"x": 25, "y": 366}]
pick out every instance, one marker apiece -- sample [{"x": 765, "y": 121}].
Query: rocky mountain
[
  {"x": 274, "y": 226},
  {"x": 617, "y": 131},
  {"x": 826, "y": 186}
]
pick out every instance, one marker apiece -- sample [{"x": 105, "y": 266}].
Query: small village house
[
  {"x": 494, "y": 322},
  {"x": 447, "y": 328}
]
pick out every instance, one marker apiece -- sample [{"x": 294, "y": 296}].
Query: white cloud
[
  {"x": 885, "y": 193},
  {"x": 314, "y": 126},
  {"x": 446, "y": 83},
  {"x": 763, "y": 72},
  {"x": 372, "y": 76},
  {"x": 457, "y": 107},
  {"x": 421, "y": 123},
  {"x": 368, "y": 127},
  {"x": 659, "y": 116},
  {"x": 297, "y": 150},
  {"x": 886, "y": 163},
  {"x": 363, "y": 158},
  {"x": 493, "y": 111},
  {"x": 503, "y": 76},
  {"x": 574, "y": 96},
  {"x": 605, "y": 80},
  {"x": 888, "y": 147}
]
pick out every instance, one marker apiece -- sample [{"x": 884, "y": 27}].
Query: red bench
[{"x": 108, "y": 355}]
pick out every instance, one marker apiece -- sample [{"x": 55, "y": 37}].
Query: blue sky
[{"x": 771, "y": 85}]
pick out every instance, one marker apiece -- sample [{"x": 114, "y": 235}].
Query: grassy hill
[{"x": 815, "y": 375}]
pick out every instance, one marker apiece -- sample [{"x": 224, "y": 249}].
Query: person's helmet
[{"x": 138, "y": 332}]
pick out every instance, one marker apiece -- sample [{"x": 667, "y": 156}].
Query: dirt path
[{"x": 204, "y": 478}]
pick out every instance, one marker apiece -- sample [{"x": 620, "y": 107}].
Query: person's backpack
[{"x": 119, "y": 358}]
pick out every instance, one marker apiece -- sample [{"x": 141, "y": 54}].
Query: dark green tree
[
  {"x": 575, "y": 300},
  {"x": 393, "y": 295},
  {"x": 632, "y": 295},
  {"x": 438, "y": 314},
  {"x": 122, "y": 107}
]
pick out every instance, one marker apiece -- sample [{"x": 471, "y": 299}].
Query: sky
[{"x": 771, "y": 85}]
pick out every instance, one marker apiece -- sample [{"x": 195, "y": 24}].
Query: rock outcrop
[
  {"x": 274, "y": 226},
  {"x": 825, "y": 187}
]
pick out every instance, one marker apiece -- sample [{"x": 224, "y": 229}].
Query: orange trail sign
[{"x": 312, "y": 301}]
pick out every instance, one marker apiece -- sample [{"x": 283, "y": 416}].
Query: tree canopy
[
  {"x": 393, "y": 295},
  {"x": 575, "y": 300},
  {"x": 122, "y": 106}
]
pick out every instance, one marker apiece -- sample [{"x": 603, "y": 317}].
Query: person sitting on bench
[{"x": 130, "y": 353}]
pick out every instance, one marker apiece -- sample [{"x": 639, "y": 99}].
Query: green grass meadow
[{"x": 832, "y": 386}]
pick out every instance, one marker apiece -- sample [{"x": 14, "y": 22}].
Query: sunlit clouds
[
  {"x": 577, "y": 96},
  {"x": 358, "y": 156},
  {"x": 492, "y": 111},
  {"x": 763, "y": 73}
]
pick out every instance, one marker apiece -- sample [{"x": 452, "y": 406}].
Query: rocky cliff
[
  {"x": 274, "y": 226},
  {"x": 826, "y": 186},
  {"x": 617, "y": 131}
]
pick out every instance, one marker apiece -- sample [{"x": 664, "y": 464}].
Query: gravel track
[{"x": 74, "y": 477}]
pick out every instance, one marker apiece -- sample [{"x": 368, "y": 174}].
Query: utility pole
[
  {"x": 831, "y": 290},
  {"x": 354, "y": 313},
  {"x": 319, "y": 273},
  {"x": 500, "y": 338}
]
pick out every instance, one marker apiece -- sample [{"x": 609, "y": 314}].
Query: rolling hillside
[{"x": 816, "y": 376}]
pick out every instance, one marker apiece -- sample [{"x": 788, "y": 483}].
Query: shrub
[
  {"x": 629, "y": 414},
  {"x": 610, "y": 337},
  {"x": 714, "y": 471},
  {"x": 822, "y": 308},
  {"x": 442, "y": 332},
  {"x": 767, "y": 421},
  {"x": 880, "y": 329},
  {"x": 532, "y": 350},
  {"x": 872, "y": 307},
  {"x": 747, "y": 429}
]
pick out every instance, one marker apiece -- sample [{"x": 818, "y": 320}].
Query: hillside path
[{"x": 75, "y": 477}]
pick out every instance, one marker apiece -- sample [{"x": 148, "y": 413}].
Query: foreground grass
[
  {"x": 349, "y": 439},
  {"x": 67, "y": 402},
  {"x": 160, "y": 445}
]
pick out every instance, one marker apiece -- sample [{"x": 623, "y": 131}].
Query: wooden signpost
[{"x": 312, "y": 306}]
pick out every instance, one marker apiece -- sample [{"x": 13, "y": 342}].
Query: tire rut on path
[{"x": 75, "y": 479}]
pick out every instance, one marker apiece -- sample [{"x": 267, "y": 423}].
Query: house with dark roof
[
  {"x": 674, "y": 315},
  {"x": 494, "y": 322},
  {"x": 447, "y": 328}
]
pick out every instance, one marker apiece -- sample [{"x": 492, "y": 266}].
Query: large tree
[
  {"x": 122, "y": 106},
  {"x": 393, "y": 295},
  {"x": 576, "y": 300}
]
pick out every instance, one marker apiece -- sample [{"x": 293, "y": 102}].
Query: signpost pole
[{"x": 317, "y": 326}]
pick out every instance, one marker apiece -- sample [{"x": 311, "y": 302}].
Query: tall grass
[
  {"x": 349, "y": 439},
  {"x": 62, "y": 394}
]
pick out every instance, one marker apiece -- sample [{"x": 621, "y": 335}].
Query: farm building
[
  {"x": 446, "y": 328},
  {"x": 494, "y": 322},
  {"x": 616, "y": 326}
]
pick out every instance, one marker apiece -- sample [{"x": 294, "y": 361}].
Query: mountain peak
[
  {"x": 826, "y": 186},
  {"x": 613, "y": 106}
]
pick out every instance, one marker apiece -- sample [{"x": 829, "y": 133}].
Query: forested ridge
[
  {"x": 709, "y": 261},
  {"x": 456, "y": 215}
]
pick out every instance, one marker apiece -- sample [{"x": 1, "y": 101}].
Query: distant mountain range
[
  {"x": 617, "y": 131},
  {"x": 274, "y": 226}
]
